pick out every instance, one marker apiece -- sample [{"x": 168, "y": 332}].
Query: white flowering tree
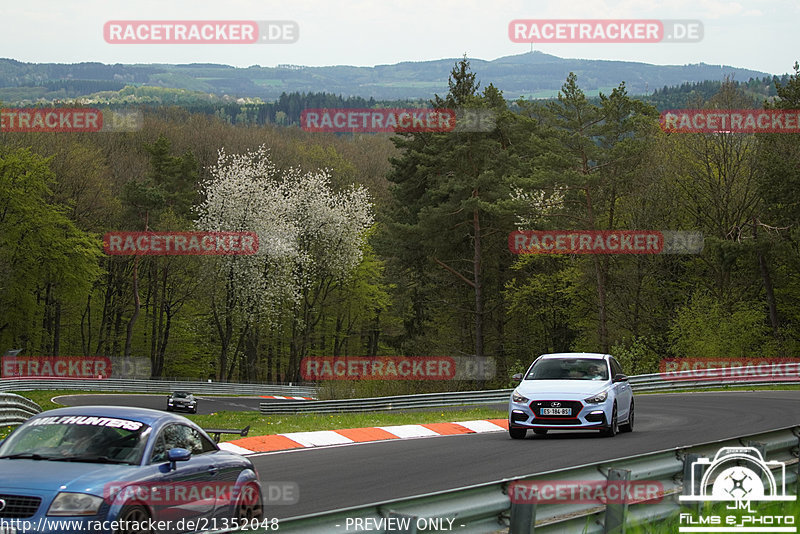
[{"x": 310, "y": 237}]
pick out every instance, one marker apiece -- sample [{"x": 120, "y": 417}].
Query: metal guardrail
[
  {"x": 488, "y": 508},
  {"x": 689, "y": 380},
  {"x": 398, "y": 402},
  {"x": 639, "y": 383},
  {"x": 15, "y": 410},
  {"x": 154, "y": 386}
]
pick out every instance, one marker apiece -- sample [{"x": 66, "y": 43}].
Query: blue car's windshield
[
  {"x": 568, "y": 369},
  {"x": 79, "y": 439}
]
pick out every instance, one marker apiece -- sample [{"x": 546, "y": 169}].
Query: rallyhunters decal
[{"x": 109, "y": 422}]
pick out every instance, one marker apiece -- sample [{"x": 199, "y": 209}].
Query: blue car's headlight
[
  {"x": 516, "y": 397},
  {"x": 67, "y": 503},
  {"x": 600, "y": 397}
]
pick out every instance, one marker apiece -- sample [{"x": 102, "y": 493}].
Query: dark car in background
[{"x": 182, "y": 401}]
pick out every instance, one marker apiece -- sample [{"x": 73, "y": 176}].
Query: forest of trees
[{"x": 418, "y": 264}]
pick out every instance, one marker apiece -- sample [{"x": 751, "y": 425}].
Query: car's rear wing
[{"x": 216, "y": 433}]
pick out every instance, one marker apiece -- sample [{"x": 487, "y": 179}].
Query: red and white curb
[
  {"x": 285, "y": 398},
  {"x": 321, "y": 438}
]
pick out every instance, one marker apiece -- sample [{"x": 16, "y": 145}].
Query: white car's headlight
[
  {"x": 600, "y": 397},
  {"x": 67, "y": 503},
  {"x": 516, "y": 397}
]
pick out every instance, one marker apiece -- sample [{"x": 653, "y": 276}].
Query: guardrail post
[
  {"x": 523, "y": 514},
  {"x": 523, "y": 518},
  {"x": 762, "y": 449},
  {"x": 616, "y": 512},
  {"x": 691, "y": 486},
  {"x": 797, "y": 480},
  {"x": 410, "y": 519}
]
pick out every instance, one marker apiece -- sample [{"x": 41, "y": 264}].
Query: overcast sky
[{"x": 757, "y": 34}]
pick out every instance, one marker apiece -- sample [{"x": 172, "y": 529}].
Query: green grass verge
[{"x": 261, "y": 425}]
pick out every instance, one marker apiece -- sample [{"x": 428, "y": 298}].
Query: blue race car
[
  {"x": 122, "y": 470},
  {"x": 571, "y": 391}
]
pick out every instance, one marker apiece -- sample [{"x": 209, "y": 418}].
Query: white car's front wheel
[
  {"x": 613, "y": 427},
  {"x": 628, "y": 427},
  {"x": 517, "y": 433}
]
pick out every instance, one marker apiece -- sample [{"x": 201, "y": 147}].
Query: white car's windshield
[{"x": 568, "y": 369}]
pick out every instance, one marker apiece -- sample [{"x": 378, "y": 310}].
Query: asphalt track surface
[
  {"x": 205, "y": 405},
  {"x": 344, "y": 476},
  {"x": 351, "y": 475}
]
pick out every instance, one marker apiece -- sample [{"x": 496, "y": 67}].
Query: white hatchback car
[{"x": 571, "y": 391}]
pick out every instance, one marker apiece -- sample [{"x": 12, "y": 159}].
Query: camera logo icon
[{"x": 736, "y": 474}]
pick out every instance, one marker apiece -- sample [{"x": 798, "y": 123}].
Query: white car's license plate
[{"x": 556, "y": 411}]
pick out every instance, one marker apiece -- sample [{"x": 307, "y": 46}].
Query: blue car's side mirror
[{"x": 178, "y": 454}]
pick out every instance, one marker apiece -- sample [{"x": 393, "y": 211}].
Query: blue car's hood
[
  {"x": 44, "y": 475},
  {"x": 537, "y": 388}
]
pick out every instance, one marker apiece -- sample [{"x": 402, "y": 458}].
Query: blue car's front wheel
[
  {"x": 134, "y": 519},
  {"x": 250, "y": 504}
]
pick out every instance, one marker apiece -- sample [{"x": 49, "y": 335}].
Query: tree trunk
[
  {"x": 136, "y": 307},
  {"x": 477, "y": 280},
  {"x": 225, "y": 332},
  {"x": 768, "y": 288},
  {"x": 243, "y": 333},
  {"x": 374, "y": 335},
  {"x": 153, "y": 307},
  {"x": 57, "y": 328},
  {"x": 600, "y": 273},
  {"x": 270, "y": 349},
  {"x": 47, "y": 328},
  {"x": 158, "y": 370},
  {"x": 104, "y": 331},
  {"x": 602, "y": 327}
]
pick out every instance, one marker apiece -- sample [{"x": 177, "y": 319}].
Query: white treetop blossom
[
  {"x": 305, "y": 230},
  {"x": 536, "y": 204}
]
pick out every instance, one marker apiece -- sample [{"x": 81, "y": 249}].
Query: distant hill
[{"x": 529, "y": 75}]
